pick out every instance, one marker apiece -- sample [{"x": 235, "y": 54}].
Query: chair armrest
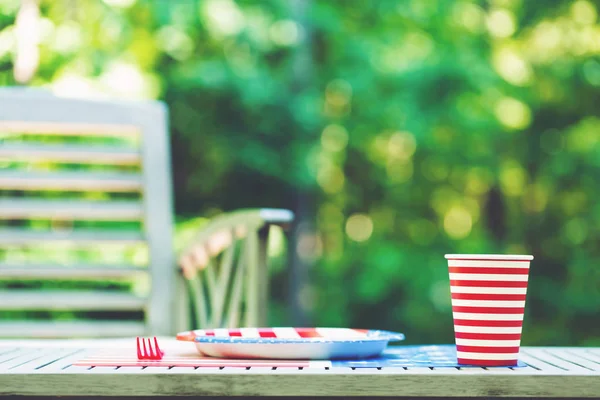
[
  {"x": 219, "y": 233},
  {"x": 276, "y": 216}
]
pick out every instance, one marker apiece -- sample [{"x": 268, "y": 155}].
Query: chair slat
[
  {"x": 37, "y": 271},
  {"x": 68, "y": 128},
  {"x": 56, "y": 300},
  {"x": 138, "y": 148},
  {"x": 85, "y": 154},
  {"x": 70, "y": 181},
  {"x": 54, "y": 329},
  {"x": 18, "y": 236},
  {"x": 127, "y": 210}
]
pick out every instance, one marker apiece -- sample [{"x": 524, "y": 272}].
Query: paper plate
[{"x": 291, "y": 343}]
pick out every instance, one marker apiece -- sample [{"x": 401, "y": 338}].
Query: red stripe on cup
[
  {"x": 487, "y": 363},
  {"x": 307, "y": 332},
  {"x": 484, "y": 284},
  {"x": 496, "y": 324},
  {"x": 235, "y": 332},
  {"x": 488, "y": 336},
  {"x": 486, "y": 296},
  {"x": 266, "y": 333},
  {"x": 487, "y": 349},
  {"x": 209, "y": 333},
  {"x": 489, "y": 310},
  {"x": 488, "y": 270}
]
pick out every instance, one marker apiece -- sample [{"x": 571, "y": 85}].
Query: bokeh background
[{"x": 397, "y": 131}]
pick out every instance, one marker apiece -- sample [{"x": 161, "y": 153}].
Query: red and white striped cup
[{"x": 488, "y": 303}]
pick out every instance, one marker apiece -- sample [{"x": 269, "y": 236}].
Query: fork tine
[
  {"x": 152, "y": 352},
  {"x": 146, "y": 354},
  {"x": 158, "y": 350},
  {"x": 139, "y": 350},
  {"x": 147, "y": 350}
]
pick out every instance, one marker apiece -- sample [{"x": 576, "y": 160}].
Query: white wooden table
[{"x": 44, "y": 368}]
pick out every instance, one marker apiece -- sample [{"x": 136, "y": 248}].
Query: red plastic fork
[{"x": 149, "y": 352}]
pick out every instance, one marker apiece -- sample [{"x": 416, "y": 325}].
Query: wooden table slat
[
  {"x": 40, "y": 362},
  {"x": 538, "y": 364},
  {"x": 22, "y": 357},
  {"x": 4, "y": 351},
  {"x": 9, "y": 354},
  {"x": 594, "y": 350},
  {"x": 103, "y": 370},
  {"x": 64, "y": 362},
  {"x": 45, "y": 368},
  {"x": 130, "y": 370},
  {"x": 559, "y": 362},
  {"x": 155, "y": 370},
  {"x": 576, "y": 359},
  {"x": 584, "y": 353},
  {"x": 527, "y": 370},
  {"x": 77, "y": 369}
]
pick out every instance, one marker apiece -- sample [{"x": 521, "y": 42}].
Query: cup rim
[{"x": 493, "y": 257}]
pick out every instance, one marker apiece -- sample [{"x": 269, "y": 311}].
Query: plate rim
[{"x": 378, "y": 335}]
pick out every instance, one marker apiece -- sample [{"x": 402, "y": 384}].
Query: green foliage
[{"x": 412, "y": 128}]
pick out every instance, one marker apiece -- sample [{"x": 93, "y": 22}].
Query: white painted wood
[
  {"x": 26, "y": 357},
  {"x": 69, "y": 300},
  {"x": 14, "y": 353},
  {"x": 143, "y": 130},
  {"x": 152, "y": 118},
  {"x": 78, "y": 271},
  {"x": 584, "y": 353},
  {"x": 539, "y": 364},
  {"x": 383, "y": 371},
  {"x": 121, "y": 210},
  {"x": 180, "y": 370},
  {"x": 59, "y": 365},
  {"x": 594, "y": 350},
  {"x": 57, "y": 115},
  {"x": 43, "y": 329},
  {"x": 70, "y": 181},
  {"x": 73, "y": 369},
  {"x": 155, "y": 370},
  {"x": 527, "y": 370},
  {"x": 4, "y": 350},
  {"x": 152, "y": 381},
  {"x": 68, "y": 128},
  {"x": 70, "y": 153},
  {"x": 78, "y": 343},
  {"x": 547, "y": 355},
  {"x": 130, "y": 370},
  {"x": 276, "y": 216},
  {"x": 50, "y": 356},
  {"x": 419, "y": 370},
  {"x": 206, "y": 370},
  {"x": 102, "y": 370},
  {"x": 18, "y": 236},
  {"x": 574, "y": 358}
]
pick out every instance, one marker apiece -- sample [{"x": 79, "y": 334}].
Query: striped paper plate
[{"x": 290, "y": 343}]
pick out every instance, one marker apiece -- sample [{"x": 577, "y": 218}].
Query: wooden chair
[
  {"x": 86, "y": 207},
  {"x": 228, "y": 258}
]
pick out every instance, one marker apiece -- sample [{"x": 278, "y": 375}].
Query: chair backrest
[
  {"x": 85, "y": 217},
  {"x": 226, "y": 269}
]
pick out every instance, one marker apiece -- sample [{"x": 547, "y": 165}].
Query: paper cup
[{"x": 488, "y": 303}]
